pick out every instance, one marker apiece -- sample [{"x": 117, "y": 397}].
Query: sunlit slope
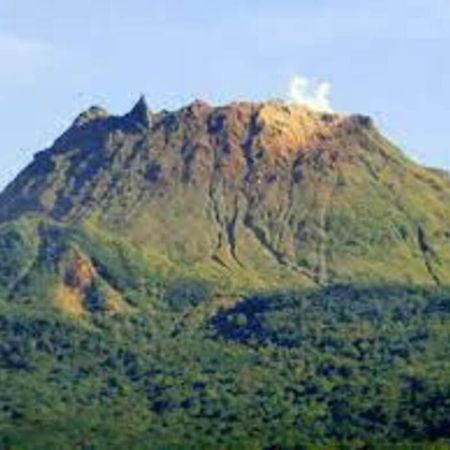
[{"x": 254, "y": 191}]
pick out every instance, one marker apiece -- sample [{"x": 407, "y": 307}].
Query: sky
[{"x": 387, "y": 58}]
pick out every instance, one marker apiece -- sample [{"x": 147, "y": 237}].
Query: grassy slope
[{"x": 252, "y": 195}]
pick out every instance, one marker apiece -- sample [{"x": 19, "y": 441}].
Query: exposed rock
[
  {"x": 140, "y": 113},
  {"x": 267, "y": 188}
]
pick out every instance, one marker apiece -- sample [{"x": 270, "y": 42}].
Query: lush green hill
[{"x": 253, "y": 276}]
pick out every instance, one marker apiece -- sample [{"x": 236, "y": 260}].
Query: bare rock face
[
  {"x": 277, "y": 190},
  {"x": 140, "y": 114}
]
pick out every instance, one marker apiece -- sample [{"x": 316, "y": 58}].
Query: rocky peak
[{"x": 140, "y": 113}]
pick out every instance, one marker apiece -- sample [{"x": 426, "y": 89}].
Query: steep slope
[
  {"x": 73, "y": 270},
  {"x": 256, "y": 191}
]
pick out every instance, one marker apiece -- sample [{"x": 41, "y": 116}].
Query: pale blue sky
[{"x": 386, "y": 58}]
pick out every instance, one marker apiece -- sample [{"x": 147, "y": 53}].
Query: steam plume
[{"x": 314, "y": 95}]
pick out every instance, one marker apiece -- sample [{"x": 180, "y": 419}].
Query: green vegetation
[
  {"x": 340, "y": 367},
  {"x": 251, "y": 277}
]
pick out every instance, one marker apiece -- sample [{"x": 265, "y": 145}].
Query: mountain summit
[
  {"x": 250, "y": 276},
  {"x": 261, "y": 192}
]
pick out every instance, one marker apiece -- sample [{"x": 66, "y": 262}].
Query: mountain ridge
[{"x": 277, "y": 189}]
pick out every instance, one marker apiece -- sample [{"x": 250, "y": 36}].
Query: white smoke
[{"x": 314, "y": 95}]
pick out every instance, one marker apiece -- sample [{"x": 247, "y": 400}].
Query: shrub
[{"x": 183, "y": 293}]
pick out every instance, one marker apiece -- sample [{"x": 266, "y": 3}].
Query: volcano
[
  {"x": 258, "y": 194},
  {"x": 249, "y": 276}
]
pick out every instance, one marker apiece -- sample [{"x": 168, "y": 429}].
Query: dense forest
[{"x": 340, "y": 367}]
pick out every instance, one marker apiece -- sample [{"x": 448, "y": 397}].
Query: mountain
[
  {"x": 252, "y": 276},
  {"x": 259, "y": 193}
]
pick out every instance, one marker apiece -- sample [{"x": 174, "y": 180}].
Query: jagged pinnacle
[{"x": 140, "y": 112}]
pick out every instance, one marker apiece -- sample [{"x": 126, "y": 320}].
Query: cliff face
[{"x": 268, "y": 189}]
